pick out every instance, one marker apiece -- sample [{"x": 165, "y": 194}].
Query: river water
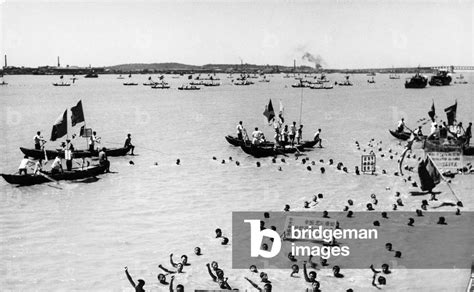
[{"x": 79, "y": 236}]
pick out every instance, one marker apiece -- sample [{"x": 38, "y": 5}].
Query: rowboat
[
  {"x": 32, "y": 179},
  {"x": 266, "y": 151},
  {"x": 51, "y": 154},
  {"x": 61, "y": 84},
  {"x": 238, "y": 142},
  {"x": 403, "y": 135}
]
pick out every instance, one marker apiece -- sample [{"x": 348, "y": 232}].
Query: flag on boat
[
  {"x": 59, "y": 127},
  {"x": 432, "y": 112},
  {"x": 281, "y": 112},
  {"x": 77, "y": 114},
  {"x": 451, "y": 113},
  {"x": 269, "y": 112},
  {"x": 429, "y": 174}
]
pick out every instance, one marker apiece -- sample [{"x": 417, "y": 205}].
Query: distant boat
[
  {"x": 189, "y": 87},
  {"x": 460, "y": 76},
  {"x": 91, "y": 74},
  {"x": 442, "y": 78},
  {"x": 417, "y": 81},
  {"x": 162, "y": 85},
  {"x": 394, "y": 76},
  {"x": 130, "y": 84},
  {"x": 346, "y": 82},
  {"x": 62, "y": 82},
  {"x": 371, "y": 81},
  {"x": 120, "y": 77},
  {"x": 371, "y": 74}
]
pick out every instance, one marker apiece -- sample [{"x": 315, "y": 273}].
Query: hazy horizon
[{"x": 342, "y": 34}]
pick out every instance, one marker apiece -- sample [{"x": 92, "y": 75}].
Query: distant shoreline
[{"x": 183, "y": 69}]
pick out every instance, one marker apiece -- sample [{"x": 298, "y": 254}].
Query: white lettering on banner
[
  {"x": 447, "y": 160},
  {"x": 293, "y": 224}
]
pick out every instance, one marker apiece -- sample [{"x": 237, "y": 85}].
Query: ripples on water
[{"x": 81, "y": 236}]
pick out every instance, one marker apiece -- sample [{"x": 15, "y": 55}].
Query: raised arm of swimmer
[
  {"x": 214, "y": 278},
  {"x": 171, "y": 284},
  {"x": 171, "y": 261},
  {"x": 129, "y": 278},
  {"x": 305, "y": 273}
]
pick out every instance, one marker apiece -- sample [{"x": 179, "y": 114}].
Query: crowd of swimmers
[{"x": 283, "y": 135}]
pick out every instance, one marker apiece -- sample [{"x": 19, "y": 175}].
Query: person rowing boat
[
  {"x": 240, "y": 131},
  {"x": 103, "y": 160},
  {"x": 317, "y": 138},
  {"x": 39, "y": 141},
  {"x": 25, "y": 162},
  {"x": 401, "y": 125},
  {"x": 92, "y": 140}
]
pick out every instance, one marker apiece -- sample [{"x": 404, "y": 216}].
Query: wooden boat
[
  {"x": 91, "y": 75},
  {"x": 442, "y": 78},
  {"x": 61, "y": 84},
  {"x": 417, "y": 81},
  {"x": 31, "y": 179},
  {"x": 130, "y": 84},
  {"x": 51, "y": 154},
  {"x": 266, "y": 151},
  {"x": 161, "y": 86},
  {"x": 403, "y": 135},
  {"x": 237, "y": 142}
]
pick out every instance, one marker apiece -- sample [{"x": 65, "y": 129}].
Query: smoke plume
[{"x": 318, "y": 60}]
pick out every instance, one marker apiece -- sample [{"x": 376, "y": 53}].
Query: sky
[{"x": 344, "y": 33}]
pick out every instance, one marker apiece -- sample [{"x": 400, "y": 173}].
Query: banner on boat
[
  {"x": 447, "y": 160},
  {"x": 368, "y": 163}
]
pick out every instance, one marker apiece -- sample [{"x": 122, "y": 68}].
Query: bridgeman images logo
[{"x": 256, "y": 239}]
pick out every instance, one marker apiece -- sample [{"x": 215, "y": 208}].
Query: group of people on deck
[
  {"x": 442, "y": 131},
  {"x": 284, "y": 135},
  {"x": 68, "y": 151}
]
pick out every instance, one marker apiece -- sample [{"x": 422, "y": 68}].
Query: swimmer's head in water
[
  {"x": 312, "y": 275},
  {"x": 161, "y": 278},
  {"x": 287, "y": 208},
  {"x": 388, "y": 246},
  {"x": 398, "y": 254},
  {"x": 218, "y": 232},
  {"x": 263, "y": 276},
  {"x": 336, "y": 269},
  {"x": 253, "y": 269},
  {"x": 291, "y": 257},
  {"x": 197, "y": 250},
  {"x": 179, "y": 267},
  {"x": 382, "y": 280},
  {"x": 184, "y": 259},
  {"x": 350, "y": 202},
  {"x": 384, "y": 214},
  {"x": 141, "y": 283},
  {"x": 265, "y": 246},
  {"x": 350, "y": 213},
  {"x": 266, "y": 215},
  {"x": 385, "y": 267},
  {"x": 179, "y": 288},
  {"x": 225, "y": 241},
  {"x": 214, "y": 265},
  {"x": 295, "y": 268}
]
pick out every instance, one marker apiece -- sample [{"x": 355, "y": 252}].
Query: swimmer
[
  {"x": 258, "y": 163},
  {"x": 357, "y": 171},
  {"x": 349, "y": 214},
  {"x": 386, "y": 269},
  {"x": 312, "y": 275},
  {"x": 398, "y": 254},
  {"x": 381, "y": 280},
  {"x": 218, "y": 233},
  {"x": 308, "y": 168},
  {"x": 384, "y": 215},
  {"x": 388, "y": 246},
  {"x": 266, "y": 215},
  {"x": 442, "y": 221},
  {"x": 346, "y": 208},
  {"x": 264, "y": 246},
  {"x": 266, "y": 288},
  {"x": 400, "y": 202},
  {"x": 325, "y": 214},
  {"x": 184, "y": 261},
  {"x": 197, "y": 251},
  {"x": 336, "y": 272},
  {"x": 225, "y": 240},
  {"x": 410, "y": 221},
  {"x": 179, "y": 269},
  {"x": 320, "y": 196},
  {"x": 311, "y": 263},
  {"x": 376, "y": 223},
  {"x": 294, "y": 270},
  {"x": 458, "y": 212},
  {"x": 324, "y": 262},
  {"x": 287, "y": 208},
  {"x": 178, "y": 161},
  {"x": 315, "y": 287},
  {"x": 350, "y": 202},
  {"x": 291, "y": 257},
  {"x": 162, "y": 279},
  {"x": 218, "y": 277},
  {"x": 253, "y": 269},
  {"x": 306, "y": 204},
  {"x": 369, "y": 207},
  {"x": 179, "y": 287},
  {"x": 138, "y": 287},
  {"x": 419, "y": 213},
  {"x": 237, "y": 163},
  {"x": 264, "y": 277},
  {"x": 323, "y": 170},
  {"x": 394, "y": 207}
]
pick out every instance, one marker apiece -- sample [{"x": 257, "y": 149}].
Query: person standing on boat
[
  {"x": 292, "y": 133},
  {"x": 103, "y": 160},
  {"x": 317, "y": 138},
  {"x": 418, "y": 132},
  {"x": 256, "y": 136},
  {"x": 240, "y": 131},
  {"x": 284, "y": 135},
  {"x": 92, "y": 140},
  {"x": 38, "y": 140},
  {"x": 68, "y": 149},
  {"x": 128, "y": 143},
  {"x": 401, "y": 125},
  {"x": 299, "y": 134},
  {"x": 25, "y": 162}
]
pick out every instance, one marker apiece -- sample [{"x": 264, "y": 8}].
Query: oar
[
  {"x": 48, "y": 177},
  {"x": 459, "y": 203}
]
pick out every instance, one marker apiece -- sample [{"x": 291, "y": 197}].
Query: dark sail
[{"x": 59, "y": 127}]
